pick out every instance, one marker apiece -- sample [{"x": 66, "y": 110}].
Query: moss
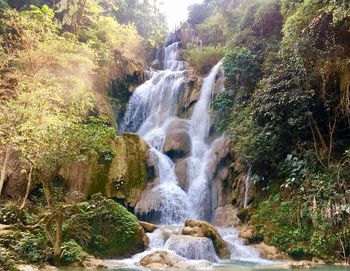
[
  {"x": 126, "y": 175},
  {"x": 114, "y": 231}
]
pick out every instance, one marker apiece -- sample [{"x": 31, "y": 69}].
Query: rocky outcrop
[
  {"x": 270, "y": 252},
  {"x": 164, "y": 259},
  {"x": 16, "y": 178},
  {"x": 199, "y": 228},
  {"x": 124, "y": 177},
  {"x": 226, "y": 216},
  {"x": 181, "y": 173},
  {"x": 148, "y": 205}
]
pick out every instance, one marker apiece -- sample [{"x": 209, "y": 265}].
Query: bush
[
  {"x": 9, "y": 214},
  {"x": 72, "y": 252},
  {"x": 33, "y": 248},
  {"x": 203, "y": 59}
]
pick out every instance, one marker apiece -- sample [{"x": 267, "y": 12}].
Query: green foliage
[
  {"x": 298, "y": 229},
  {"x": 222, "y": 105},
  {"x": 241, "y": 73},
  {"x": 197, "y": 13},
  {"x": 109, "y": 228},
  {"x": 72, "y": 252},
  {"x": 33, "y": 247},
  {"x": 9, "y": 213},
  {"x": 203, "y": 59}
]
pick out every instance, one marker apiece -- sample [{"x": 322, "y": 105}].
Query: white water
[
  {"x": 151, "y": 111},
  {"x": 247, "y": 186}
]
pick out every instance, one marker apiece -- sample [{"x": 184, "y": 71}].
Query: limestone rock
[
  {"x": 270, "y": 252},
  {"x": 181, "y": 173},
  {"x": 163, "y": 259},
  {"x": 226, "y": 216},
  {"x": 23, "y": 267},
  {"x": 148, "y": 227},
  {"x": 198, "y": 228},
  {"x": 177, "y": 144},
  {"x": 123, "y": 178}
]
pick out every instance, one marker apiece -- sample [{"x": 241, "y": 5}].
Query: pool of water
[{"x": 234, "y": 265}]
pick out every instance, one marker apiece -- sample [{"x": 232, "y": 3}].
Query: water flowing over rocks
[
  {"x": 194, "y": 248},
  {"x": 198, "y": 228}
]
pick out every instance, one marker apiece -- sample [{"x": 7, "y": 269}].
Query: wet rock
[
  {"x": 148, "y": 227},
  {"x": 195, "y": 248},
  {"x": 198, "y": 228},
  {"x": 270, "y": 252},
  {"x": 177, "y": 144},
  {"x": 148, "y": 205},
  {"x": 226, "y": 216},
  {"x": 164, "y": 259},
  {"x": 181, "y": 173}
]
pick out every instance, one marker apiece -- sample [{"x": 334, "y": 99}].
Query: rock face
[
  {"x": 181, "y": 173},
  {"x": 164, "y": 259},
  {"x": 199, "y": 228},
  {"x": 195, "y": 248},
  {"x": 270, "y": 252},
  {"x": 226, "y": 216},
  {"x": 123, "y": 178},
  {"x": 177, "y": 144}
]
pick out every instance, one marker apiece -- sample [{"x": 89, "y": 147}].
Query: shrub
[
  {"x": 33, "y": 248},
  {"x": 72, "y": 252},
  {"x": 203, "y": 59},
  {"x": 9, "y": 213}
]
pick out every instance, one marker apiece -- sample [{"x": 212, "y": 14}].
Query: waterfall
[
  {"x": 151, "y": 110},
  {"x": 247, "y": 186},
  {"x": 151, "y": 113}
]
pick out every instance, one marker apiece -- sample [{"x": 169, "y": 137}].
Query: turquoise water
[{"x": 238, "y": 266}]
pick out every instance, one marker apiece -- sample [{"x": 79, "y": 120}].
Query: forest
[{"x": 75, "y": 179}]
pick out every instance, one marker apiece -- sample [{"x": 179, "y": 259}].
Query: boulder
[
  {"x": 177, "y": 144},
  {"x": 148, "y": 205},
  {"x": 226, "y": 216},
  {"x": 181, "y": 173},
  {"x": 198, "y": 228},
  {"x": 124, "y": 177},
  {"x": 270, "y": 252},
  {"x": 163, "y": 259},
  {"x": 148, "y": 227},
  {"x": 195, "y": 248}
]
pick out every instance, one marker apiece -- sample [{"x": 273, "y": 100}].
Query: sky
[{"x": 176, "y": 10}]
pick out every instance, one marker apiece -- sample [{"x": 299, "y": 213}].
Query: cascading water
[
  {"x": 247, "y": 186},
  {"x": 151, "y": 109},
  {"x": 151, "y": 112}
]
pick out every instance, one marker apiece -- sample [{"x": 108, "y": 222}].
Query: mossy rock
[
  {"x": 126, "y": 175},
  {"x": 114, "y": 231}
]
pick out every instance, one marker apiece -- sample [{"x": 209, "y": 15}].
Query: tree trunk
[
  {"x": 4, "y": 169},
  {"x": 29, "y": 184},
  {"x": 56, "y": 241},
  {"x": 80, "y": 19}
]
